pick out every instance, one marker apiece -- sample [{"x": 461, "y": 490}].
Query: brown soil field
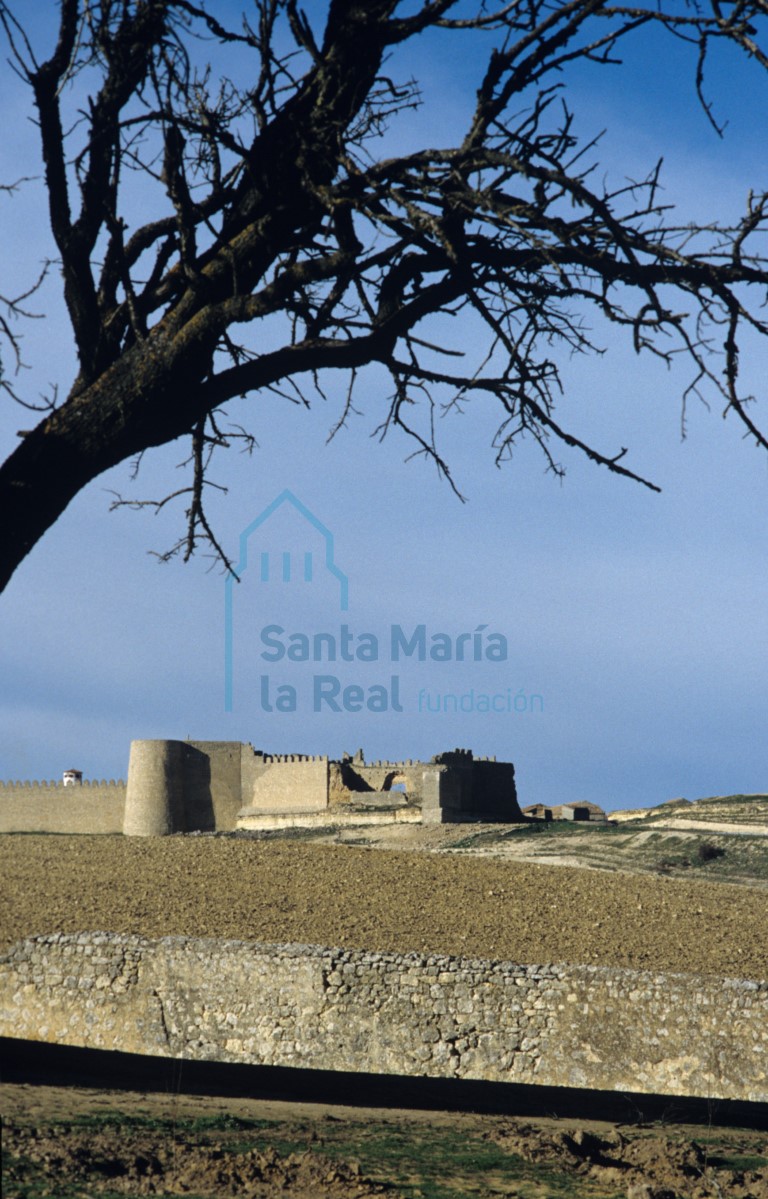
[{"x": 281, "y": 891}]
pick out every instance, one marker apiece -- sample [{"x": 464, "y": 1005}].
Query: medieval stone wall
[
  {"x": 50, "y": 807},
  {"x": 454, "y": 787},
  {"x": 216, "y": 775},
  {"x": 405, "y": 1014},
  {"x": 380, "y": 776},
  {"x": 457, "y": 792},
  {"x": 184, "y": 786},
  {"x": 287, "y": 783}
]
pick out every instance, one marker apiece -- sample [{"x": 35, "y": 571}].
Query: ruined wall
[
  {"x": 452, "y": 788},
  {"x": 50, "y": 807},
  {"x": 287, "y": 783},
  {"x": 379, "y": 776},
  {"x": 408, "y": 1014}
]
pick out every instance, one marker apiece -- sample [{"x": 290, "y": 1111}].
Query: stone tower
[{"x": 154, "y": 801}]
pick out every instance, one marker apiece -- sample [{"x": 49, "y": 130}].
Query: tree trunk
[{"x": 145, "y": 399}]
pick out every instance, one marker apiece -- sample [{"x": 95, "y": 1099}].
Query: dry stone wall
[{"x": 405, "y": 1014}]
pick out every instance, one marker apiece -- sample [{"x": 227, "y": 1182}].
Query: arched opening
[{"x": 396, "y": 782}]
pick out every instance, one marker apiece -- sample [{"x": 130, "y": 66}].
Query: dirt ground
[
  {"x": 69, "y": 1142},
  {"x": 343, "y": 895}
]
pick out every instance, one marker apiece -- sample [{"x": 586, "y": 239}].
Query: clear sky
[{"x": 636, "y": 624}]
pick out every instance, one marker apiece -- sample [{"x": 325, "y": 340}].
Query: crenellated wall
[
  {"x": 50, "y": 807},
  {"x": 453, "y": 787},
  {"x": 405, "y": 1014},
  {"x": 287, "y": 782},
  {"x": 205, "y": 786},
  {"x": 356, "y": 778}
]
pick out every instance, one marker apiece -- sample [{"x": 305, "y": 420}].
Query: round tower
[{"x": 154, "y": 796}]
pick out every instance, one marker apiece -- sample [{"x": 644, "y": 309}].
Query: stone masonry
[
  {"x": 406, "y": 1014},
  {"x": 218, "y": 786},
  {"x": 50, "y": 807}
]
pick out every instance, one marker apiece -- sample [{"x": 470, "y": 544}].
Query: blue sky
[{"x": 640, "y": 620}]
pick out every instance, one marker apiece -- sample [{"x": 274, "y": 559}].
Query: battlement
[
  {"x": 277, "y": 759},
  {"x": 207, "y": 786},
  {"x": 57, "y": 784},
  {"x": 52, "y": 806},
  {"x": 455, "y": 757},
  {"x": 386, "y": 765}
]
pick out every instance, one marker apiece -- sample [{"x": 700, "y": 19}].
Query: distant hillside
[{"x": 726, "y": 809}]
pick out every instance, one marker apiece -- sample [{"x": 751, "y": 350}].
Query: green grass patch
[
  {"x": 487, "y": 838},
  {"x": 556, "y": 829},
  {"x": 435, "y": 1164},
  {"x": 741, "y": 1162},
  {"x": 163, "y": 1125},
  {"x": 562, "y": 828}
]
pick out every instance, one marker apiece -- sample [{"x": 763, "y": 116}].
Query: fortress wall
[
  {"x": 197, "y": 810},
  {"x": 292, "y": 783},
  {"x": 440, "y": 789},
  {"x": 216, "y": 797},
  {"x": 458, "y": 791},
  {"x": 377, "y": 774},
  {"x": 494, "y": 794},
  {"x": 154, "y": 803},
  {"x": 251, "y": 768},
  {"x": 405, "y": 1014},
  {"x": 50, "y": 807},
  {"x": 182, "y": 786}
]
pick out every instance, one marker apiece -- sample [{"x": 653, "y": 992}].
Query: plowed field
[{"x": 388, "y": 900}]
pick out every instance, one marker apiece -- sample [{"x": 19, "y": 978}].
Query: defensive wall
[
  {"x": 50, "y": 807},
  {"x": 206, "y": 786},
  {"x": 386, "y": 1013},
  {"x": 452, "y": 787},
  {"x": 284, "y": 782}
]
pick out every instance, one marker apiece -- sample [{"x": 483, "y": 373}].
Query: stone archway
[{"x": 395, "y": 781}]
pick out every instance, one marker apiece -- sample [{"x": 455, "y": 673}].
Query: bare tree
[{"x": 268, "y": 201}]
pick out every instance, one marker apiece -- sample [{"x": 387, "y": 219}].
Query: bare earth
[
  {"x": 70, "y": 1142},
  {"x": 372, "y": 899},
  {"x": 714, "y": 826}
]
